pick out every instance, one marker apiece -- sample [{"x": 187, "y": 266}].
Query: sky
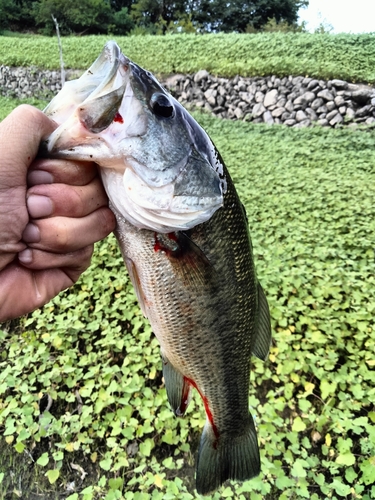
[{"x": 345, "y": 16}]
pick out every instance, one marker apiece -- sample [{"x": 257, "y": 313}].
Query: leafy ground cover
[
  {"x": 83, "y": 409},
  {"x": 345, "y": 56},
  {"x": 7, "y": 104}
]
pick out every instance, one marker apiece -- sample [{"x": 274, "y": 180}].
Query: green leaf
[
  {"x": 106, "y": 463},
  {"x": 346, "y": 459},
  {"x": 299, "y": 468},
  {"x": 53, "y": 475},
  {"x": 298, "y": 425},
  {"x": 227, "y": 493},
  {"x": 19, "y": 447},
  {"x": 146, "y": 447},
  {"x": 350, "y": 475},
  {"x": 43, "y": 459},
  {"x": 327, "y": 388},
  {"x": 168, "y": 437},
  {"x": 368, "y": 470},
  {"x": 284, "y": 482},
  {"x": 340, "y": 488},
  {"x": 116, "y": 483},
  {"x": 58, "y": 455}
]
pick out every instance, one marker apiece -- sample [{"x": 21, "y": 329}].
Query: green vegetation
[
  {"x": 147, "y": 16},
  {"x": 83, "y": 408},
  {"x": 324, "y": 56},
  {"x": 7, "y": 104},
  {"x": 309, "y": 196}
]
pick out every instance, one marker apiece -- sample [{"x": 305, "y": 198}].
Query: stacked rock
[
  {"x": 31, "y": 82},
  {"x": 294, "y": 101}
]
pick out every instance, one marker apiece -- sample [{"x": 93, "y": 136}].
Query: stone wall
[
  {"x": 294, "y": 101},
  {"x": 31, "y": 82}
]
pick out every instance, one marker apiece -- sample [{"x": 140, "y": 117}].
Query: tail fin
[{"x": 226, "y": 457}]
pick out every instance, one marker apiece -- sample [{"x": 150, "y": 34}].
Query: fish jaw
[
  {"x": 158, "y": 166},
  {"x": 88, "y": 112}
]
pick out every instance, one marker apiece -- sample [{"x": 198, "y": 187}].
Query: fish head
[{"x": 159, "y": 167}]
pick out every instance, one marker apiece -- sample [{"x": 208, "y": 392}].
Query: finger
[
  {"x": 47, "y": 171},
  {"x": 20, "y": 132},
  {"x": 26, "y": 127},
  {"x": 47, "y": 200},
  {"x": 66, "y": 234},
  {"x": 23, "y": 290},
  {"x": 38, "y": 259}
]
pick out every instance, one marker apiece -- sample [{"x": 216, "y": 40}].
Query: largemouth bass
[{"x": 184, "y": 237}]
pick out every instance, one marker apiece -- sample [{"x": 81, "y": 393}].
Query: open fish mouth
[
  {"x": 157, "y": 172},
  {"x": 94, "y": 99}
]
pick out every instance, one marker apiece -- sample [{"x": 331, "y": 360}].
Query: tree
[
  {"x": 122, "y": 21},
  {"x": 150, "y": 16},
  {"x": 16, "y": 14},
  {"x": 117, "y": 5},
  {"x": 91, "y": 16},
  {"x": 156, "y": 15},
  {"x": 239, "y": 15}
]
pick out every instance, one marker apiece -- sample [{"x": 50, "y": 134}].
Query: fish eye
[{"x": 161, "y": 105}]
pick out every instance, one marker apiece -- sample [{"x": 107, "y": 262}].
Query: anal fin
[{"x": 262, "y": 336}]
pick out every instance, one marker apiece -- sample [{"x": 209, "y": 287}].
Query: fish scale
[{"x": 184, "y": 237}]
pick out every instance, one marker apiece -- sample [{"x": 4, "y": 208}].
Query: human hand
[{"x": 51, "y": 213}]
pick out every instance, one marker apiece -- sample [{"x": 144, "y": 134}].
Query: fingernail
[
  {"x": 39, "y": 206},
  {"x": 31, "y": 234},
  {"x": 26, "y": 256},
  {"x": 39, "y": 177}
]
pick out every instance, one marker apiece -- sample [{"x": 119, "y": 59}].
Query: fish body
[{"x": 185, "y": 241}]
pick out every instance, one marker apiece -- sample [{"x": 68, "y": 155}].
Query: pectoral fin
[
  {"x": 132, "y": 270},
  {"x": 178, "y": 388},
  {"x": 188, "y": 260}
]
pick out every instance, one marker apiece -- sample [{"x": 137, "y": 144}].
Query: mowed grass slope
[
  {"x": 324, "y": 56},
  {"x": 83, "y": 408}
]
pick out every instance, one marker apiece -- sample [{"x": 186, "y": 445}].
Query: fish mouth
[
  {"x": 106, "y": 116},
  {"x": 87, "y": 106}
]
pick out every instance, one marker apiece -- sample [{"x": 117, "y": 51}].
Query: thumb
[{"x": 20, "y": 135}]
